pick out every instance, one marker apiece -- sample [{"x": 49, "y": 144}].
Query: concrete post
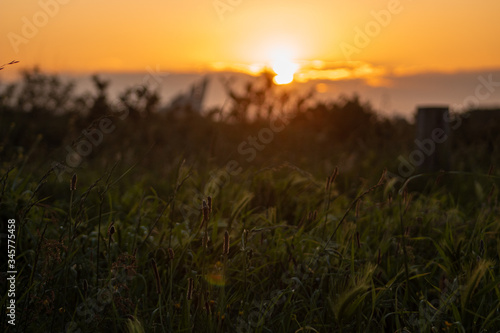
[{"x": 433, "y": 138}]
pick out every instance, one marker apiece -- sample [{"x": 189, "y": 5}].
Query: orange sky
[{"x": 321, "y": 36}]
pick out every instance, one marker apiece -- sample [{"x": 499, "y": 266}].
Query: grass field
[{"x": 166, "y": 226}]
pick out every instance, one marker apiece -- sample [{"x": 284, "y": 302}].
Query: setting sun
[
  {"x": 283, "y": 66},
  {"x": 284, "y": 69}
]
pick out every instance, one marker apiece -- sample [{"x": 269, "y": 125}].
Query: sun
[
  {"x": 283, "y": 65},
  {"x": 284, "y": 69}
]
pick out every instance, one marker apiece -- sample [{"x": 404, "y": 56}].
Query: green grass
[{"x": 371, "y": 261}]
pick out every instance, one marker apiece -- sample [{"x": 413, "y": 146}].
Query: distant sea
[{"x": 399, "y": 96}]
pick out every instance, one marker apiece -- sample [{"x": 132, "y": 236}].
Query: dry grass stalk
[
  {"x": 190, "y": 289},
  {"x": 383, "y": 177},
  {"x": 10, "y": 63},
  {"x": 245, "y": 237},
  {"x": 205, "y": 240},
  {"x": 157, "y": 276}
]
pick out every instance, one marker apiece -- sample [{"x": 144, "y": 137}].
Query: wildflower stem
[{"x": 403, "y": 243}]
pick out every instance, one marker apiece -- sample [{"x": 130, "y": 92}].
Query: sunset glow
[{"x": 299, "y": 41}]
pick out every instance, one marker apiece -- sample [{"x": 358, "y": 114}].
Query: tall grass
[{"x": 275, "y": 271}]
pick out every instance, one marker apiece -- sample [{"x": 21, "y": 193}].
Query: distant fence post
[{"x": 433, "y": 138}]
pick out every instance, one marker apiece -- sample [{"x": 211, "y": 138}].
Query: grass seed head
[
  {"x": 111, "y": 229},
  {"x": 72, "y": 185},
  {"x": 206, "y": 211},
  {"x": 225, "y": 248},
  {"x": 209, "y": 203},
  {"x": 171, "y": 253},
  {"x": 331, "y": 179}
]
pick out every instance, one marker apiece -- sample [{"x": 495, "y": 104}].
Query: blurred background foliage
[{"x": 348, "y": 132}]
